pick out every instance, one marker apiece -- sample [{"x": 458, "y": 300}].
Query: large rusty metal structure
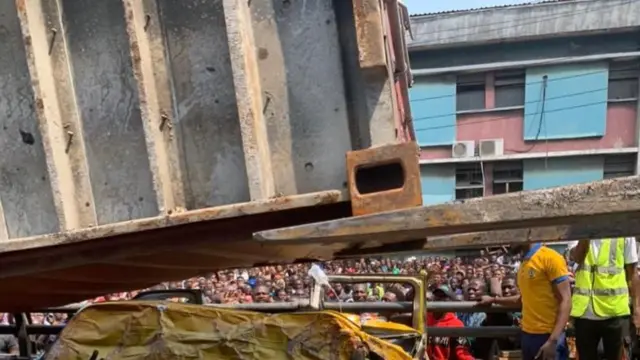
[
  {"x": 151, "y": 140},
  {"x": 146, "y": 140}
]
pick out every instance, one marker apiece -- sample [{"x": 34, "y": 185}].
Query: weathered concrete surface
[
  {"x": 522, "y": 22},
  {"x": 108, "y": 102},
  {"x": 25, "y": 190},
  {"x": 306, "y": 117}
]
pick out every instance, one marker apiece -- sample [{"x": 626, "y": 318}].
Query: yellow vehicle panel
[
  {"x": 378, "y": 326},
  {"x": 165, "y": 330}
]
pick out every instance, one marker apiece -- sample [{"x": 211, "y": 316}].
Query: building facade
[{"x": 526, "y": 96}]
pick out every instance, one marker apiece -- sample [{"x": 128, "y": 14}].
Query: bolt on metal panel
[
  {"x": 301, "y": 77},
  {"x": 205, "y": 114},
  {"x": 109, "y": 106}
]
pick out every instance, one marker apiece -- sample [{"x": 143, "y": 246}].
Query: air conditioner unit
[
  {"x": 493, "y": 147},
  {"x": 463, "y": 149}
]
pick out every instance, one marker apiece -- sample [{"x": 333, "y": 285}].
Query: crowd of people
[
  {"x": 459, "y": 278},
  {"x": 463, "y": 276}
]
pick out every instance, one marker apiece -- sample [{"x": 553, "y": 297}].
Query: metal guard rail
[
  {"x": 351, "y": 307},
  {"x": 479, "y": 332}
]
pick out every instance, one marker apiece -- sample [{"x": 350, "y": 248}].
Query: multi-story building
[{"x": 526, "y": 96}]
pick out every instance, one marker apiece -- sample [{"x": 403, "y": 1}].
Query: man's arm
[
  {"x": 556, "y": 271},
  {"x": 509, "y": 301},
  {"x": 562, "y": 292},
  {"x": 579, "y": 252},
  {"x": 633, "y": 280}
]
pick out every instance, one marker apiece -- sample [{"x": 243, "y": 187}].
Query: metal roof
[{"x": 531, "y": 3}]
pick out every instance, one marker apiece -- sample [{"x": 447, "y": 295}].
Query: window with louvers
[
  {"x": 469, "y": 181},
  {"x": 507, "y": 177},
  {"x": 623, "y": 80},
  {"x": 616, "y": 166},
  {"x": 509, "y": 88}
]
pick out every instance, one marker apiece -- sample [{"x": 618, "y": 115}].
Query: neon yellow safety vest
[{"x": 602, "y": 282}]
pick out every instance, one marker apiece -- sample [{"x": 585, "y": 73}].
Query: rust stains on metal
[
  {"x": 152, "y": 85},
  {"x": 583, "y": 202},
  {"x": 607, "y": 226},
  {"x": 138, "y": 259},
  {"x": 370, "y": 33},
  {"x": 52, "y": 91},
  {"x": 176, "y": 219},
  {"x": 249, "y": 98},
  {"x": 405, "y": 175}
]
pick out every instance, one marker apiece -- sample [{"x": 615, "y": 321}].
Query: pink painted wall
[{"x": 620, "y": 132}]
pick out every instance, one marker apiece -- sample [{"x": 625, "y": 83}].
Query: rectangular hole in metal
[{"x": 380, "y": 177}]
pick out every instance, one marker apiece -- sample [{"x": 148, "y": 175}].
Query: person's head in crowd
[
  {"x": 488, "y": 274},
  {"x": 436, "y": 278},
  {"x": 261, "y": 294},
  {"x": 509, "y": 287},
  {"x": 282, "y": 295},
  {"x": 455, "y": 285},
  {"x": 475, "y": 290},
  {"x": 337, "y": 287},
  {"x": 359, "y": 293},
  {"x": 440, "y": 294}
]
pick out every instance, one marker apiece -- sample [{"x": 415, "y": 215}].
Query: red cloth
[{"x": 447, "y": 348}]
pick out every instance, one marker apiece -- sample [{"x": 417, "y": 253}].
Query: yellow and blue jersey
[{"x": 541, "y": 268}]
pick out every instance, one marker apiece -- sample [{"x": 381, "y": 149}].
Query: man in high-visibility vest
[{"x": 606, "y": 283}]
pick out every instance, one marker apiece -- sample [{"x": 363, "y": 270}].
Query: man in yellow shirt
[{"x": 545, "y": 297}]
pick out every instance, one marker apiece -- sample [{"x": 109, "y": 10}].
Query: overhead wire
[
  {"x": 510, "y": 117},
  {"x": 542, "y": 102},
  {"x": 634, "y": 67},
  {"x": 516, "y": 106}
]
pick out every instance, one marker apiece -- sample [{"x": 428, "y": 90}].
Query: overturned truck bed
[{"x": 147, "y": 140}]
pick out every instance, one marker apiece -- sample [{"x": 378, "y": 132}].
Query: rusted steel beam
[
  {"x": 617, "y": 225},
  {"x": 246, "y": 79},
  {"x": 592, "y": 202},
  {"x": 154, "y": 92},
  {"x": 614, "y": 225},
  {"x": 57, "y": 113},
  {"x": 90, "y": 249}
]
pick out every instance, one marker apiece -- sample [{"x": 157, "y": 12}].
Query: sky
[{"x": 426, "y": 6}]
